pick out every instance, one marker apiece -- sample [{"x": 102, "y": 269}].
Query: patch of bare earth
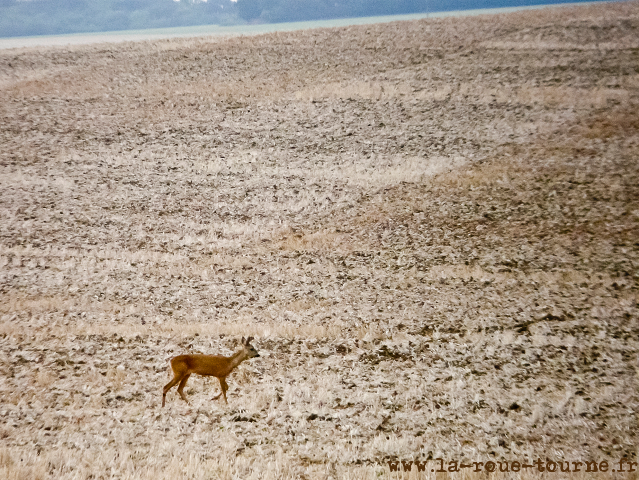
[{"x": 430, "y": 228}]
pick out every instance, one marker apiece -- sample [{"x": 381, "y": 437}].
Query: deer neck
[{"x": 237, "y": 358}]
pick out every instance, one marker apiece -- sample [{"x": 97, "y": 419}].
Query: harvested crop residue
[{"x": 430, "y": 227}]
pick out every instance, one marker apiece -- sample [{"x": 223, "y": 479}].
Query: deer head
[{"x": 249, "y": 349}]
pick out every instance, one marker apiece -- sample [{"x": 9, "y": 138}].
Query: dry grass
[{"x": 430, "y": 227}]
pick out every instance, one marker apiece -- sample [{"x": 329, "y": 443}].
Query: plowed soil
[{"x": 430, "y": 227}]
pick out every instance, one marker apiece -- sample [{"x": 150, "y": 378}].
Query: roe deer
[{"x": 208, "y": 365}]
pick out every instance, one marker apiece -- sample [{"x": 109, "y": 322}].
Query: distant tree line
[
  {"x": 273, "y": 11},
  {"x": 48, "y": 17}
]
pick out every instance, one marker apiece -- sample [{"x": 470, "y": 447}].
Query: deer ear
[
  {"x": 248, "y": 340},
  {"x": 243, "y": 342}
]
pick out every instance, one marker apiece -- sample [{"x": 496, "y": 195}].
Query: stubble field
[{"x": 430, "y": 227}]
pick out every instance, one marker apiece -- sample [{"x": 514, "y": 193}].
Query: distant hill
[
  {"x": 274, "y": 11},
  {"x": 50, "y": 17}
]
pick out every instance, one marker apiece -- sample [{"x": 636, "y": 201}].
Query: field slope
[{"x": 430, "y": 227}]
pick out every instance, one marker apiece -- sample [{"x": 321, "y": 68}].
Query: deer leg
[
  {"x": 220, "y": 394},
  {"x": 225, "y": 387},
  {"x": 222, "y": 383},
  {"x": 168, "y": 387},
  {"x": 181, "y": 387}
]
